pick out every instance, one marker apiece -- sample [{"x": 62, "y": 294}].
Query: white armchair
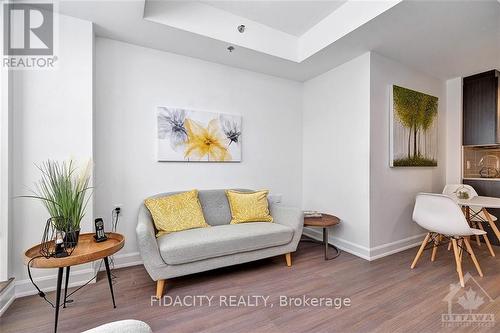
[
  {"x": 443, "y": 218},
  {"x": 122, "y": 326}
]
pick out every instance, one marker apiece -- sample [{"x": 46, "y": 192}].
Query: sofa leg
[
  {"x": 288, "y": 258},
  {"x": 160, "y": 286}
]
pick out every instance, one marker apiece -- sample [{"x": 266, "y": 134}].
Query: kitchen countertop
[{"x": 479, "y": 178}]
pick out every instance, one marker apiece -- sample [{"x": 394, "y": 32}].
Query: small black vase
[{"x": 71, "y": 238}]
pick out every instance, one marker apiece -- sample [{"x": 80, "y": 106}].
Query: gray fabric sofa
[{"x": 223, "y": 244}]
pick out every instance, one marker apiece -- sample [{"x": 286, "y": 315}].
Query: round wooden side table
[
  {"x": 86, "y": 251},
  {"x": 325, "y": 221}
]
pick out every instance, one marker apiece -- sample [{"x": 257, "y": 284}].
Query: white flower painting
[{"x": 189, "y": 135}]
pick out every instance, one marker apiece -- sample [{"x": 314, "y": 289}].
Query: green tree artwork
[{"x": 414, "y": 128}]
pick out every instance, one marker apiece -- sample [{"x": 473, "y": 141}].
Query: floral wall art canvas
[
  {"x": 189, "y": 135},
  {"x": 414, "y": 128}
]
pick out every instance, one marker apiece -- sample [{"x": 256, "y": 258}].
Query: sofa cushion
[
  {"x": 198, "y": 244},
  {"x": 215, "y": 206},
  {"x": 176, "y": 212},
  {"x": 249, "y": 207}
]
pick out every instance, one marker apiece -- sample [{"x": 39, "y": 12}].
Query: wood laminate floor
[{"x": 386, "y": 296}]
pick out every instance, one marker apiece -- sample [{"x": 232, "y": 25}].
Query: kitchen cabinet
[{"x": 481, "y": 109}]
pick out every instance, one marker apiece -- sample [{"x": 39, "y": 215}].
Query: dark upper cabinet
[{"x": 481, "y": 109}]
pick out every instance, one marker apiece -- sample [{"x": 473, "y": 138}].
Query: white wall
[
  {"x": 336, "y": 148},
  {"x": 5, "y": 167},
  {"x": 5, "y": 172},
  {"x": 131, "y": 81},
  {"x": 346, "y": 155},
  {"x": 393, "y": 190},
  {"x": 454, "y": 131},
  {"x": 52, "y": 119}
]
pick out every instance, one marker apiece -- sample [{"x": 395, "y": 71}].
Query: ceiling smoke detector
[
  {"x": 241, "y": 28},
  {"x": 230, "y": 49}
]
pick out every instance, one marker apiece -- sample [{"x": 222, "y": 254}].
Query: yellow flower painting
[
  {"x": 205, "y": 142},
  {"x": 188, "y": 135}
]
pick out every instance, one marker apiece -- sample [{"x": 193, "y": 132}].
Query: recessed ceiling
[
  {"x": 444, "y": 39},
  {"x": 207, "y": 20},
  {"x": 291, "y": 17}
]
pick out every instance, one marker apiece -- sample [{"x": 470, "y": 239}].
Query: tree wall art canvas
[
  {"x": 414, "y": 128},
  {"x": 192, "y": 136}
]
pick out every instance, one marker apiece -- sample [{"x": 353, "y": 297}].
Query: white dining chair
[
  {"x": 477, "y": 213},
  {"x": 477, "y": 216},
  {"x": 442, "y": 217}
]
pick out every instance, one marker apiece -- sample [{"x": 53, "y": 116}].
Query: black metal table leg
[
  {"x": 66, "y": 286},
  {"x": 106, "y": 263},
  {"x": 58, "y": 296},
  {"x": 325, "y": 242}
]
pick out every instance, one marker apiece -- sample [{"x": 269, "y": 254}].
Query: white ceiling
[
  {"x": 291, "y": 17},
  {"x": 202, "y": 19},
  {"x": 444, "y": 39}
]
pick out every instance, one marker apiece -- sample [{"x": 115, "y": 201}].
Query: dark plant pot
[{"x": 71, "y": 238}]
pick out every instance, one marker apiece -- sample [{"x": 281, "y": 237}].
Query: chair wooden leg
[
  {"x": 160, "y": 287},
  {"x": 460, "y": 244},
  {"x": 288, "y": 258},
  {"x": 478, "y": 241},
  {"x": 434, "y": 249},
  {"x": 420, "y": 250},
  {"x": 492, "y": 224},
  {"x": 487, "y": 241},
  {"x": 449, "y": 246},
  {"x": 458, "y": 262},
  {"x": 473, "y": 256}
]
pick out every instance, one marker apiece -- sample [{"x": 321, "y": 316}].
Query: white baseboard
[
  {"x": 124, "y": 260},
  {"x": 7, "y": 297},
  {"x": 127, "y": 259},
  {"x": 77, "y": 277},
  {"x": 345, "y": 245},
  {"x": 366, "y": 253},
  {"x": 394, "y": 247},
  {"x": 48, "y": 283}
]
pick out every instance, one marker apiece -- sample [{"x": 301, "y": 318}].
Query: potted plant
[{"x": 65, "y": 194}]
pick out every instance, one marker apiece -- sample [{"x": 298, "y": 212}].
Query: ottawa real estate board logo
[
  {"x": 28, "y": 36},
  {"x": 468, "y": 307}
]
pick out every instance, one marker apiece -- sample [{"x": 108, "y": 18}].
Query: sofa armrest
[
  {"x": 289, "y": 216},
  {"x": 146, "y": 241}
]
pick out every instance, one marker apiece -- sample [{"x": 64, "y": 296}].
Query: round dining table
[{"x": 483, "y": 203}]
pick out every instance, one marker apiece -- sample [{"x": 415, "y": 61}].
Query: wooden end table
[
  {"x": 86, "y": 251},
  {"x": 325, "y": 221}
]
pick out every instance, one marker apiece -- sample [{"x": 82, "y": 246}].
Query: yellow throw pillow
[
  {"x": 176, "y": 212},
  {"x": 248, "y": 206}
]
